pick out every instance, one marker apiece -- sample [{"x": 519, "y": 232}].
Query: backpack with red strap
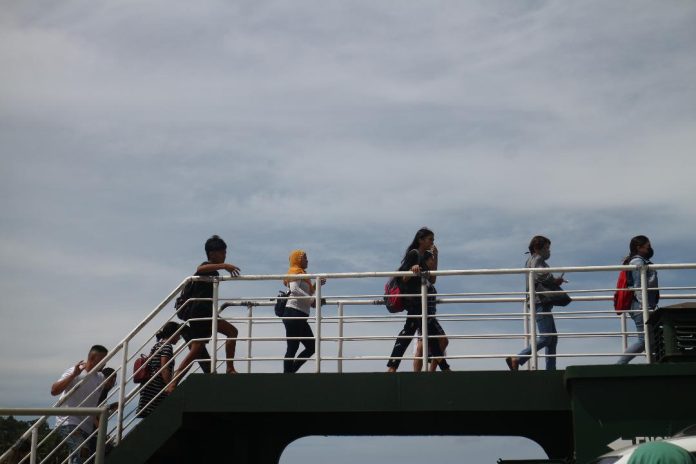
[{"x": 623, "y": 296}]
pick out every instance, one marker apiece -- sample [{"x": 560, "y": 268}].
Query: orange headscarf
[{"x": 296, "y": 267}]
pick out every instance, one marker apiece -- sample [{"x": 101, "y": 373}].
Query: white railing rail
[{"x": 126, "y": 392}]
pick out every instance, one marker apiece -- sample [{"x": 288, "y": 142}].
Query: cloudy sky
[{"x": 131, "y": 131}]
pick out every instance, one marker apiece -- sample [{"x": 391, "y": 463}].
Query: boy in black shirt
[{"x": 216, "y": 250}]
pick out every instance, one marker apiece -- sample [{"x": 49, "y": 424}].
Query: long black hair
[
  {"x": 167, "y": 330},
  {"x": 420, "y": 235},
  {"x": 636, "y": 242}
]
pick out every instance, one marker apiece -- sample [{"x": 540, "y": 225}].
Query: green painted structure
[{"x": 572, "y": 414}]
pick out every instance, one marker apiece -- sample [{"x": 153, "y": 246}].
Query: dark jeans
[
  {"x": 297, "y": 328},
  {"x": 412, "y": 325}
]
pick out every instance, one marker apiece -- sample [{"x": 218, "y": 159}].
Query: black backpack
[
  {"x": 182, "y": 309},
  {"x": 281, "y": 302}
]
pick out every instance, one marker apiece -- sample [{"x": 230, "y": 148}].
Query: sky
[{"x": 131, "y": 131}]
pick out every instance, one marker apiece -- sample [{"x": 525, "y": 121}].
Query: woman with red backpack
[
  {"x": 423, "y": 241},
  {"x": 640, "y": 252}
]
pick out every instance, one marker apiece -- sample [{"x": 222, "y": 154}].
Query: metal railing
[
  {"x": 497, "y": 311},
  {"x": 34, "y": 431}
]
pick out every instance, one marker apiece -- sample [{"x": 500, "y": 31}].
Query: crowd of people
[{"x": 421, "y": 256}]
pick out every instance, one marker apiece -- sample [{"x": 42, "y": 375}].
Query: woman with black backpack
[
  {"x": 423, "y": 241},
  {"x": 296, "y": 314}
]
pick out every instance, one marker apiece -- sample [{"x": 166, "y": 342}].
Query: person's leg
[
  {"x": 444, "y": 343},
  {"x": 195, "y": 348},
  {"x": 547, "y": 326},
  {"x": 74, "y": 438},
  {"x": 291, "y": 330},
  {"x": 410, "y": 326},
  {"x": 230, "y": 332},
  {"x": 435, "y": 345},
  {"x": 203, "y": 355},
  {"x": 639, "y": 345},
  {"x": 309, "y": 344},
  {"x": 524, "y": 355},
  {"x": 418, "y": 362}
]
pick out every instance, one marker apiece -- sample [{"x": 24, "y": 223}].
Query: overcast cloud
[{"x": 131, "y": 131}]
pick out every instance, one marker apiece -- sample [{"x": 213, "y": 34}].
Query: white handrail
[
  {"x": 62, "y": 411},
  {"x": 343, "y": 302}
]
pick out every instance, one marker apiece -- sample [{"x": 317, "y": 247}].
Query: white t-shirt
[{"x": 87, "y": 392}]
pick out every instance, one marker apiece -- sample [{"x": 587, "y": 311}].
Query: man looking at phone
[{"x": 77, "y": 428}]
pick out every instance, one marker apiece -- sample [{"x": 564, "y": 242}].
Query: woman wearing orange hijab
[{"x": 297, "y": 308}]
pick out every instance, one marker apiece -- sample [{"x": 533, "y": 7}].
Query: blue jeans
[
  {"x": 76, "y": 441},
  {"x": 639, "y": 345},
  {"x": 545, "y": 325}
]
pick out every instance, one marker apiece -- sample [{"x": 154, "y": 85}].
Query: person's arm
[
  {"x": 59, "y": 386},
  {"x": 543, "y": 278},
  {"x": 411, "y": 264},
  {"x": 210, "y": 267},
  {"x": 165, "y": 371},
  {"x": 435, "y": 253}
]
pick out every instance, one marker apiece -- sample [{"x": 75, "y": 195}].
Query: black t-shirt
[
  {"x": 413, "y": 285},
  {"x": 204, "y": 289}
]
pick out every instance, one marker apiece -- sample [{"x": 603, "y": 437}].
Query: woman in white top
[{"x": 296, "y": 314}]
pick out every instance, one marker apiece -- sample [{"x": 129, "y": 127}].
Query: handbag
[
  {"x": 141, "y": 370},
  {"x": 281, "y": 302},
  {"x": 555, "y": 299}
]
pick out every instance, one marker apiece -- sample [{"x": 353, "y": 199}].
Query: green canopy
[{"x": 660, "y": 452}]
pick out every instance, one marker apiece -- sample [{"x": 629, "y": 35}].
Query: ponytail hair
[{"x": 636, "y": 242}]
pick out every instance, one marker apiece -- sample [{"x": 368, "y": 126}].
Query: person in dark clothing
[
  {"x": 161, "y": 367},
  {"x": 434, "y": 329},
  {"x": 200, "y": 331},
  {"x": 423, "y": 241}
]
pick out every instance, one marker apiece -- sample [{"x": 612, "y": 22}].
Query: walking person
[
  {"x": 423, "y": 241},
  {"x": 640, "y": 252},
  {"x": 76, "y": 429},
  {"x": 160, "y": 368},
  {"x": 198, "y": 332},
  {"x": 437, "y": 333},
  {"x": 297, "y": 308},
  {"x": 540, "y": 251}
]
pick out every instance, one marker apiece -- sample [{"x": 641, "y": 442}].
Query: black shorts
[{"x": 200, "y": 329}]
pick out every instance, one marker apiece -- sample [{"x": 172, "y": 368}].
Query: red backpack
[
  {"x": 623, "y": 296},
  {"x": 392, "y": 299},
  {"x": 141, "y": 370}
]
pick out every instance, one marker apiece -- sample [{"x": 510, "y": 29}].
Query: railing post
[
  {"x": 646, "y": 310},
  {"x": 213, "y": 354},
  {"x": 249, "y": 323},
  {"x": 532, "y": 316},
  {"x": 101, "y": 435},
  {"x": 424, "y": 321},
  {"x": 317, "y": 313},
  {"x": 122, "y": 393},
  {"x": 340, "y": 337},
  {"x": 34, "y": 447},
  {"x": 624, "y": 337}
]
